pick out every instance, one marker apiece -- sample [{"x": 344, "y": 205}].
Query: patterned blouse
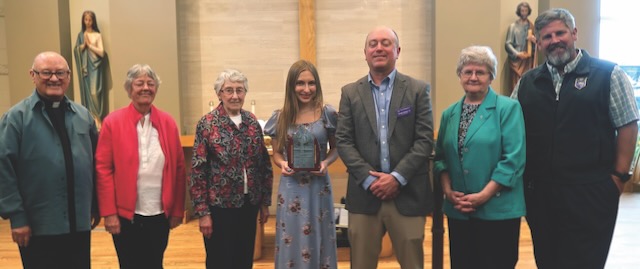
[
  {"x": 221, "y": 152},
  {"x": 466, "y": 117}
]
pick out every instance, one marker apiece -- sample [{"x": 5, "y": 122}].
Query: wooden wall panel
[
  {"x": 259, "y": 38},
  {"x": 262, "y": 39},
  {"x": 307, "y": 24},
  {"x": 342, "y": 27}
]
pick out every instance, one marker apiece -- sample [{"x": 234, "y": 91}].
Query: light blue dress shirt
[{"x": 382, "y": 96}]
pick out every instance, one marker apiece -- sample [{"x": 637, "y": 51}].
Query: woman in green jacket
[{"x": 480, "y": 157}]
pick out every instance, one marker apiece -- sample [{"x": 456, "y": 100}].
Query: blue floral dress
[{"x": 305, "y": 228}]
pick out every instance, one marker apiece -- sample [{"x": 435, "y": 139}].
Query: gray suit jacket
[{"x": 410, "y": 141}]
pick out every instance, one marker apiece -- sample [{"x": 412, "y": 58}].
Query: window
[
  {"x": 619, "y": 40},
  {"x": 619, "y": 37}
]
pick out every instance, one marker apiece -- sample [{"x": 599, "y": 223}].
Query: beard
[{"x": 559, "y": 59}]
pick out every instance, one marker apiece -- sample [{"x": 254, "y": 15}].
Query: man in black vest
[{"x": 581, "y": 124}]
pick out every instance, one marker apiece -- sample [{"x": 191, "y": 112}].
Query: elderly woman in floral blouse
[{"x": 231, "y": 177}]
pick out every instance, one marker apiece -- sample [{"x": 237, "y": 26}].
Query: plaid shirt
[{"x": 622, "y": 103}]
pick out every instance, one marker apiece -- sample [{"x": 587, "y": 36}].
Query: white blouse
[{"x": 149, "y": 201}]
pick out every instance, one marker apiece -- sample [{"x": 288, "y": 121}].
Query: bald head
[
  {"x": 43, "y": 73},
  {"x": 381, "y": 50},
  {"x": 386, "y": 29},
  {"x": 48, "y": 55}
]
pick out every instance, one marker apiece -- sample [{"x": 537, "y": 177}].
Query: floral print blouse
[
  {"x": 221, "y": 152},
  {"x": 468, "y": 112}
]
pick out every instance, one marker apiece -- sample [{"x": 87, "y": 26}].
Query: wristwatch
[{"x": 624, "y": 177}]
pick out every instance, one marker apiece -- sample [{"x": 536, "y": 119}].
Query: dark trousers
[
  {"x": 142, "y": 242},
  {"x": 232, "y": 241},
  {"x": 572, "y": 225},
  {"x": 63, "y": 251},
  {"x": 477, "y": 243}
]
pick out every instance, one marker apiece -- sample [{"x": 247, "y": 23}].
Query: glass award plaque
[{"x": 303, "y": 151}]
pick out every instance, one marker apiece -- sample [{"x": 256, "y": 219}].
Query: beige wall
[
  {"x": 342, "y": 27},
  {"x": 5, "y": 96},
  {"x": 190, "y": 42},
  {"x": 457, "y": 26},
  {"x": 486, "y": 24},
  {"x": 476, "y": 24},
  {"x": 144, "y": 31},
  {"x": 261, "y": 39},
  {"x": 587, "y": 15},
  {"x": 29, "y": 31}
]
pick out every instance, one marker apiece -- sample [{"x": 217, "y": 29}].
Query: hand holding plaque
[{"x": 303, "y": 150}]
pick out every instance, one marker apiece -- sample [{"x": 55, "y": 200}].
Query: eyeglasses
[
  {"x": 46, "y": 74},
  {"x": 238, "y": 91},
  {"x": 469, "y": 73}
]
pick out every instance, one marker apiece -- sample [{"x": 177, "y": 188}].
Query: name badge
[
  {"x": 403, "y": 111},
  {"x": 580, "y": 83}
]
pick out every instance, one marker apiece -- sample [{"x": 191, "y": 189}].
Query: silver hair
[
  {"x": 138, "y": 70},
  {"x": 481, "y": 55},
  {"x": 232, "y": 75},
  {"x": 551, "y": 15}
]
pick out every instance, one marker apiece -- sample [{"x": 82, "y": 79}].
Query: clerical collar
[{"x": 48, "y": 103}]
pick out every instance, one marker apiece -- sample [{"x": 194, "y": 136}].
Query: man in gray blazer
[{"x": 385, "y": 136}]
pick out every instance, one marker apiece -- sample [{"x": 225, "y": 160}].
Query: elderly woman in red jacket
[{"x": 140, "y": 174}]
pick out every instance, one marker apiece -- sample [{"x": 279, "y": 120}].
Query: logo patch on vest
[{"x": 580, "y": 83}]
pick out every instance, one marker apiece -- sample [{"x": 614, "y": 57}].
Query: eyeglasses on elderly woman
[{"x": 230, "y": 91}]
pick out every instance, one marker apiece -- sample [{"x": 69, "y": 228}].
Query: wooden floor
[{"x": 186, "y": 249}]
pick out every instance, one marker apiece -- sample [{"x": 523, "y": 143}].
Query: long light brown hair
[{"x": 291, "y": 106}]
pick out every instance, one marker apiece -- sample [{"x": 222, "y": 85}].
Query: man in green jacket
[{"x": 47, "y": 171}]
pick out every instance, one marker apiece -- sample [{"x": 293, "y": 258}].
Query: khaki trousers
[{"x": 406, "y": 233}]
